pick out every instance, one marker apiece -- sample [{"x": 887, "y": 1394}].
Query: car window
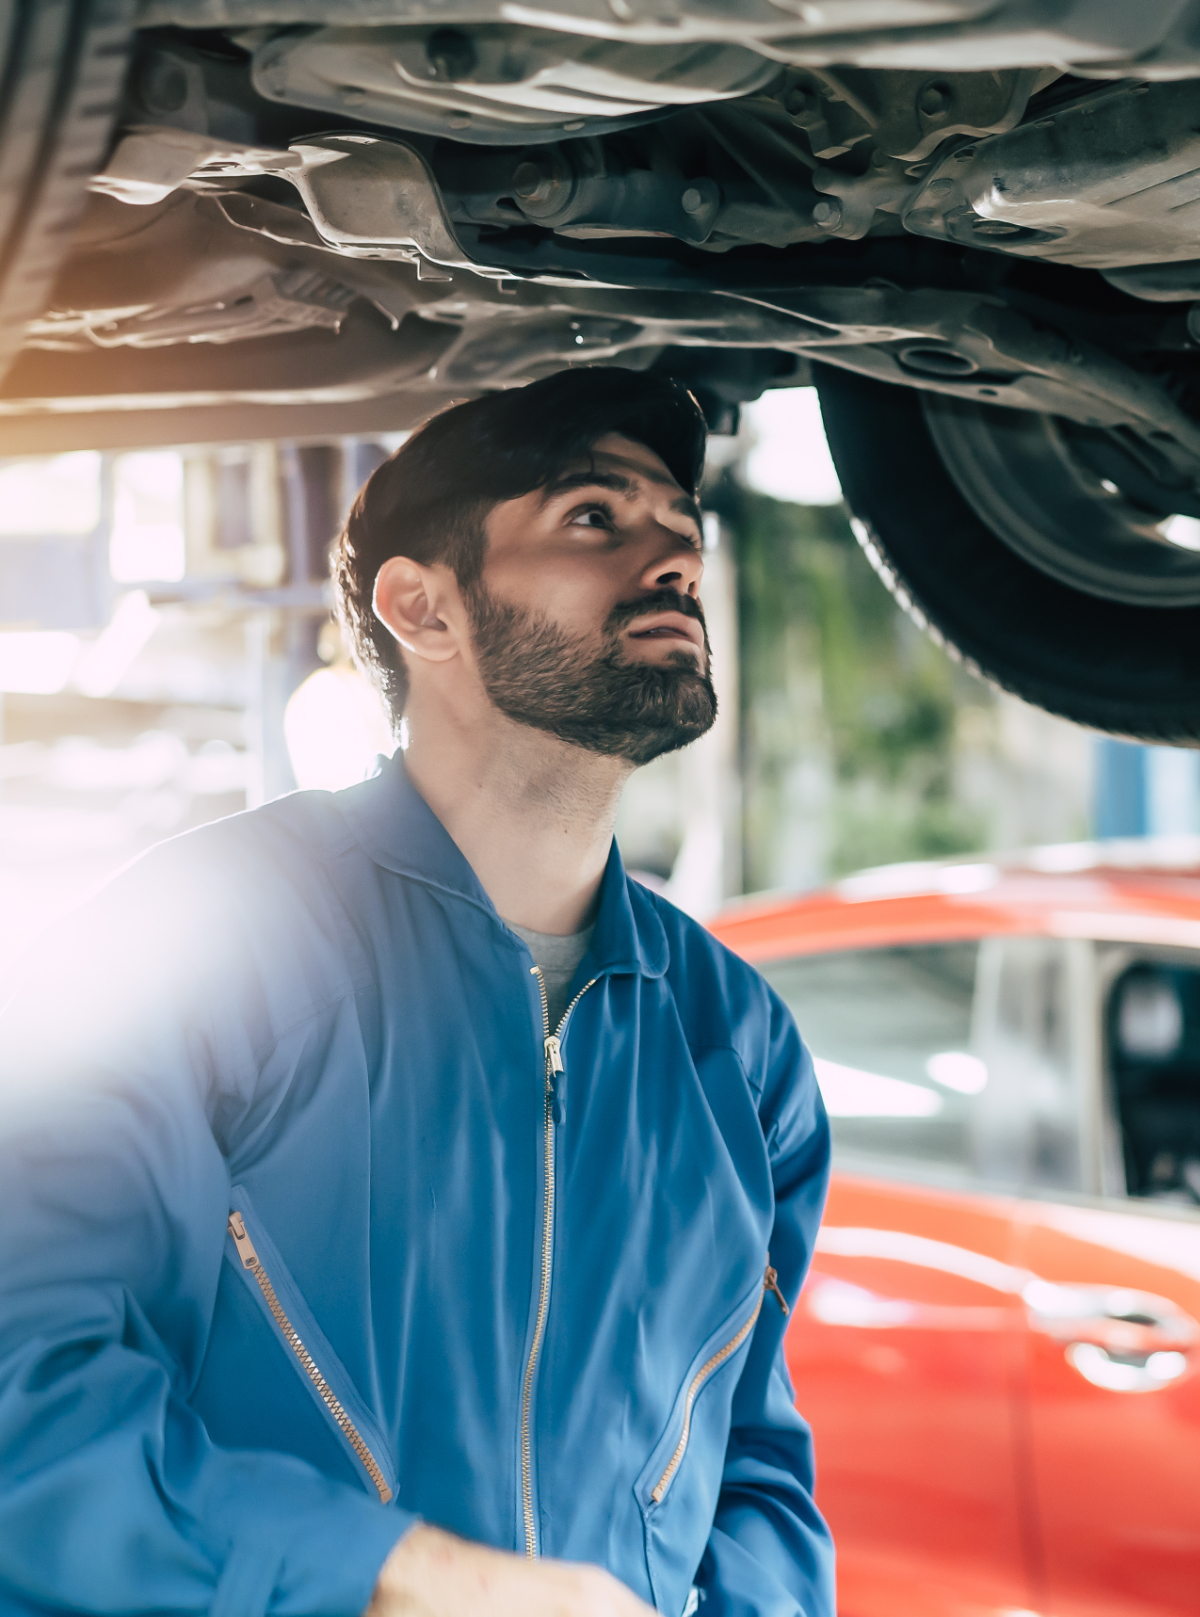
[
  {"x": 890, "y": 1031},
  {"x": 1153, "y": 1036},
  {"x": 947, "y": 1060}
]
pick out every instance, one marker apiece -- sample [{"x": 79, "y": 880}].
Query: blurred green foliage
[{"x": 848, "y": 711}]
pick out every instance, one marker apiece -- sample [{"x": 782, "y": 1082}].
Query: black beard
[{"x": 539, "y": 676}]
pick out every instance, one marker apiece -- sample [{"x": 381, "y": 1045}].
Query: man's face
[{"x": 587, "y": 621}]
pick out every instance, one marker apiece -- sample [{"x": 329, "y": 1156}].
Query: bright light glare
[
  {"x": 955, "y": 1069},
  {"x": 917, "y": 876},
  {"x": 83, "y": 764},
  {"x": 838, "y": 1302},
  {"x": 37, "y": 662},
  {"x": 967, "y": 878},
  {"x": 335, "y": 727},
  {"x": 898, "y": 1246},
  {"x": 790, "y": 459},
  {"x": 1114, "y": 1375},
  {"x": 109, "y": 657},
  {"x": 54, "y": 494},
  {"x": 1182, "y": 531},
  {"x": 147, "y": 539},
  {"x": 850, "y": 1092}
]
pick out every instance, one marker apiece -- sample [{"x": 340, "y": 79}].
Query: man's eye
[{"x": 591, "y": 516}]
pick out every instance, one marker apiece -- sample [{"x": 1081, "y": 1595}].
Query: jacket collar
[{"x": 392, "y": 822}]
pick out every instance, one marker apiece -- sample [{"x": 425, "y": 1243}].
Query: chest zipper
[
  {"x": 770, "y": 1284},
  {"x": 552, "y": 1045},
  {"x": 250, "y": 1260}
]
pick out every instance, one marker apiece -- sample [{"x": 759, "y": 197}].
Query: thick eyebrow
[
  {"x": 689, "y": 508},
  {"x": 619, "y": 484}
]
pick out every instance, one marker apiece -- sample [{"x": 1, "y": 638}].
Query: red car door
[
  {"x": 904, "y": 1354},
  {"x": 907, "y": 1341},
  {"x": 1114, "y": 1311}
]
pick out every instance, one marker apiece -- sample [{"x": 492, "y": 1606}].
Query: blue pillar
[
  {"x": 1172, "y": 791},
  {"x": 1121, "y": 806},
  {"x": 1146, "y": 791}
]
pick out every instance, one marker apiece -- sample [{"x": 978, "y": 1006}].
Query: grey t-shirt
[{"x": 559, "y": 959}]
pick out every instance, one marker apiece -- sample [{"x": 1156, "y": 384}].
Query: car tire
[
  {"x": 1117, "y": 665},
  {"x": 62, "y": 67}
]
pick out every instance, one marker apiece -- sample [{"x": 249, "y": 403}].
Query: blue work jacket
[{"x": 310, "y": 1228}]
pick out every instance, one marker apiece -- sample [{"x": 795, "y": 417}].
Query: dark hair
[{"x": 430, "y": 500}]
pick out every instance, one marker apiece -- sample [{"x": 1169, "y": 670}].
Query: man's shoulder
[
  {"x": 226, "y": 927},
  {"x": 280, "y": 838},
  {"x": 713, "y": 987},
  {"x": 247, "y": 881}
]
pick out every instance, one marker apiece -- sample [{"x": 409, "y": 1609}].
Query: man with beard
[{"x": 402, "y": 1206}]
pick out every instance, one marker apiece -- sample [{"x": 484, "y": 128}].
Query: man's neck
[{"x": 532, "y": 815}]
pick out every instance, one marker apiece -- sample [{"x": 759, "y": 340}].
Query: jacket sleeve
[
  {"x": 117, "y": 1077},
  {"x": 770, "y": 1553}
]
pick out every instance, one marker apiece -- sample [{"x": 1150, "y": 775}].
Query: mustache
[{"x": 664, "y": 600}]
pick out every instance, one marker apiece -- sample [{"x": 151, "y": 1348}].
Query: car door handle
[
  {"x": 1127, "y": 1323},
  {"x": 1115, "y": 1338},
  {"x": 1149, "y": 1372}
]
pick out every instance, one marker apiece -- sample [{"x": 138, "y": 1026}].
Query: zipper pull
[
  {"x": 245, "y": 1246},
  {"x": 554, "y": 1067},
  {"x": 771, "y": 1283}
]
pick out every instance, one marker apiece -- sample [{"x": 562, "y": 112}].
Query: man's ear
[{"x": 416, "y": 603}]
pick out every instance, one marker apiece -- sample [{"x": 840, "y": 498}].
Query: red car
[{"x": 999, "y": 1340}]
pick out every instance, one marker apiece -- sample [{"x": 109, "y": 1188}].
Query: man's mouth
[{"x": 669, "y": 626}]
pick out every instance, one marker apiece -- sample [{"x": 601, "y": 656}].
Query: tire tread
[{"x": 1132, "y": 671}]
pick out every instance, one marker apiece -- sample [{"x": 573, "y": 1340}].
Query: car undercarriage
[{"x": 976, "y": 226}]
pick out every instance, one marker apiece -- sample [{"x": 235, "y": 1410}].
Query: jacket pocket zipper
[
  {"x": 770, "y": 1283},
  {"x": 250, "y": 1260}
]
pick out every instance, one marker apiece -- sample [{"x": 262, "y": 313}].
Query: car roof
[{"x": 1143, "y": 890}]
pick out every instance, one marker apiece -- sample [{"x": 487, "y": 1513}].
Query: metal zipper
[
  {"x": 552, "y": 1044},
  {"x": 250, "y": 1260},
  {"x": 770, "y": 1283}
]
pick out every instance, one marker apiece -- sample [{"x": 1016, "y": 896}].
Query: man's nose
[{"x": 677, "y": 565}]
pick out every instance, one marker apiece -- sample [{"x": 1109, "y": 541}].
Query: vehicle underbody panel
[
  {"x": 323, "y": 220},
  {"x": 347, "y": 213}
]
